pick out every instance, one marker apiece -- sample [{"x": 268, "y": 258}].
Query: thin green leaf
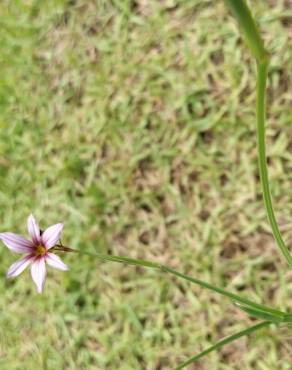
[
  {"x": 249, "y": 28},
  {"x": 252, "y": 35},
  {"x": 223, "y": 342},
  {"x": 261, "y": 109},
  {"x": 259, "y": 314}
]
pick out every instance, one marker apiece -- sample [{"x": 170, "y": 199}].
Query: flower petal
[
  {"x": 19, "y": 266},
  {"x": 55, "y": 261},
  {"x": 52, "y": 235},
  {"x": 34, "y": 230},
  {"x": 38, "y": 273},
  {"x": 17, "y": 243}
]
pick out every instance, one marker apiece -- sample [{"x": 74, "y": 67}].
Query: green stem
[
  {"x": 260, "y": 110},
  {"x": 253, "y": 38},
  {"x": 224, "y": 292},
  {"x": 249, "y": 28},
  {"x": 222, "y": 343},
  {"x": 163, "y": 268}
]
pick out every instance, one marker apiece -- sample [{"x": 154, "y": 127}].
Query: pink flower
[{"x": 37, "y": 252}]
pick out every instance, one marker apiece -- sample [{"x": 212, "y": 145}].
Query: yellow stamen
[{"x": 40, "y": 250}]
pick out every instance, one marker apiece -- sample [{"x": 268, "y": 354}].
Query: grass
[{"x": 134, "y": 123}]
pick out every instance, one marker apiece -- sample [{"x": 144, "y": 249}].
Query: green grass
[{"x": 134, "y": 123}]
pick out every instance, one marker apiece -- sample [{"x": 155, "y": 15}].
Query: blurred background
[{"x": 133, "y": 122}]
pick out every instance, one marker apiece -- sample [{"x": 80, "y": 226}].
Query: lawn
[{"x": 133, "y": 123}]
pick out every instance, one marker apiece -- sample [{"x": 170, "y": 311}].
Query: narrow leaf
[
  {"x": 249, "y": 28},
  {"x": 222, "y": 343},
  {"x": 263, "y": 315}
]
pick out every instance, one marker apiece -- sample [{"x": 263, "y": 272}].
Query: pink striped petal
[
  {"x": 17, "y": 243},
  {"x": 38, "y": 273},
  {"x": 52, "y": 235},
  {"x": 55, "y": 261},
  {"x": 19, "y": 266},
  {"x": 34, "y": 230}
]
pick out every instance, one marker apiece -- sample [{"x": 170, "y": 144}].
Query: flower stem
[
  {"x": 279, "y": 315},
  {"x": 224, "y": 341}
]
